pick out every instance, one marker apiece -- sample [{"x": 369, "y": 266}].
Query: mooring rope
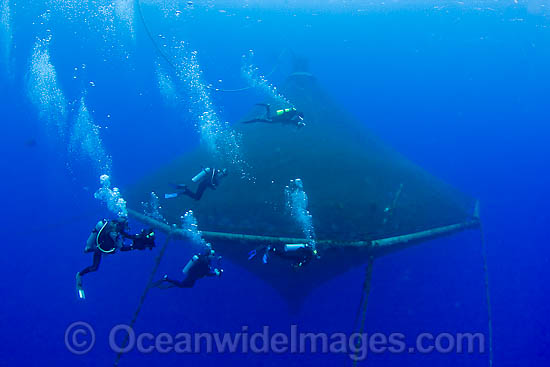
[
  {"x": 365, "y": 298},
  {"x": 149, "y": 34},
  {"x": 487, "y": 293},
  {"x": 266, "y": 75},
  {"x": 144, "y": 294},
  {"x": 167, "y": 59}
]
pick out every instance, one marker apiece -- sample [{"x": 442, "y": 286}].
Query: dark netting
[
  {"x": 358, "y": 187},
  {"x": 351, "y": 179}
]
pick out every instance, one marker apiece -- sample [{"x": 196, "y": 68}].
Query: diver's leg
[
  {"x": 164, "y": 283},
  {"x": 200, "y": 190},
  {"x": 254, "y": 120},
  {"x": 183, "y": 284},
  {"x": 257, "y": 120},
  {"x": 181, "y": 190},
  {"x": 187, "y": 283},
  {"x": 174, "y": 282},
  {"x": 189, "y": 193},
  {"x": 79, "y": 289},
  {"x": 94, "y": 266}
]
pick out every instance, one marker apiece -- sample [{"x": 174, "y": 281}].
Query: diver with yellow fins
[
  {"x": 201, "y": 265},
  {"x": 299, "y": 254},
  {"x": 289, "y": 116},
  {"x": 106, "y": 238},
  {"x": 208, "y": 177}
]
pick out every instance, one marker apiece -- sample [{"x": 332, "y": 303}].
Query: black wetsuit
[
  {"x": 95, "y": 264},
  {"x": 210, "y": 180},
  {"x": 299, "y": 257},
  {"x": 289, "y": 116},
  {"x": 107, "y": 243},
  {"x": 198, "y": 268}
]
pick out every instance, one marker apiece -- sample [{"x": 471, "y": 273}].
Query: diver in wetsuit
[
  {"x": 106, "y": 238},
  {"x": 300, "y": 254},
  {"x": 200, "y": 266},
  {"x": 284, "y": 116},
  {"x": 207, "y": 178}
]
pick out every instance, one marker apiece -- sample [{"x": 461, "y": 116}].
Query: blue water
[{"x": 460, "y": 90}]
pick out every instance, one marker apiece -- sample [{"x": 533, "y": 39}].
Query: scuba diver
[
  {"x": 207, "y": 178},
  {"x": 284, "y": 116},
  {"x": 201, "y": 265},
  {"x": 107, "y": 237},
  {"x": 300, "y": 254}
]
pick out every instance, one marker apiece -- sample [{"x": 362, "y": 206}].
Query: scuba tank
[
  {"x": 283, "y": 111},
  {"x": 291, "y": 247},
  {"x": 188, "y": 266},
  {"x": 201, "y": 174}
]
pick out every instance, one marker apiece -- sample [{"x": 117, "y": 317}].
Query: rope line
[
  {"x": 487, "y": 293},
  {"x": 266, "y": 75},
  {"x": 148, "y": 32},
  {"x": 167, "y": 59},
  {"x": 144, "y": 294},
  {"x": 365, "y": 298}
]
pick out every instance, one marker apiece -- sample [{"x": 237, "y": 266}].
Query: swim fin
[
  {"x": 171, "y": 196},
  {"x": 79, "y": 289},
  {"x": 251, "y": 254}
]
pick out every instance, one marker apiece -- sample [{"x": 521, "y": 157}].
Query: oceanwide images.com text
[{"x": 80, "y": 338}]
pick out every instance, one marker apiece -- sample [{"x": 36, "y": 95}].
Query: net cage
[{"x": 365, "y": 198}]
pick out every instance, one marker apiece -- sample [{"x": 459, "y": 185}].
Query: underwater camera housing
[{"x": 146, "y": 239}]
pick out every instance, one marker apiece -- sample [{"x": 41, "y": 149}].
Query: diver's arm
[
  {"x": 129, "y": 236},
  {"x": 127, "y": 248},
  {"x": 214, "y": 272}
]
